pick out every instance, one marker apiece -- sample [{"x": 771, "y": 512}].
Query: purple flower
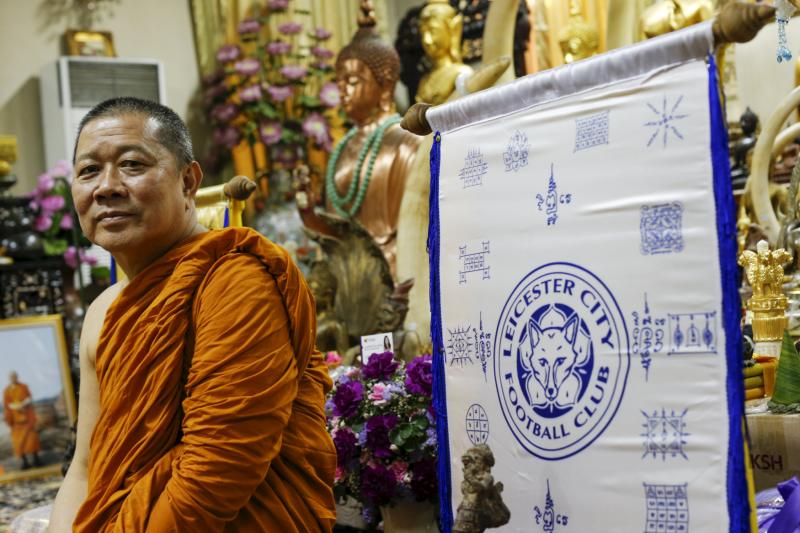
[
  {"x": 214, "y": 92},
  {"x": 214, "y": 78},
  {"x": 377, "y": 484},
  {"x": 329, "y": 94},
  {"x": 225, "y": 112},
  {"x": 321, "y": 65},
  {"x": 293, "y": 72},
  {"x": 228, "y": 52},
  {"x": 249, "y": 26},
  {"x": 315, "y": 127},
  {"x": 71, "y": 257},
  {"x": 431, "y": 439},
  {"x": 322, "y": 52},
  {"x": 270, "y": 131},
  {"x": 347, "y": 398},
  {"x": 378, "y": 428},
  {"x": 247, "y": 66},
  {"x": 290, "y": 28},
  {"x": 286, "y": 153},
  {"x": 51, "y": 204},
  {"x": 227, "y": 136},
  {"x": 278, "y": 47},
  {"x": 45, "y": 184},
  {"x": 279, "y": 93},
  {"x": 251, "y": 93},
  {"x": 346, "y": 445},
  {"x": 322, "y": 34},
  {"x": 381, "y": 366},
  {"x": 419, "y": 375},
  {"x": 42, "y": 223},
  {"x": 66, "y": 221},
  {"x": 423, "y": 479},
  {"x": 277, "y": 5}
]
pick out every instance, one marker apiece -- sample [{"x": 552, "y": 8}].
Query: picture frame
[
  {"x": 89, "y": 43},
  {"x": 38, "y": 409}
]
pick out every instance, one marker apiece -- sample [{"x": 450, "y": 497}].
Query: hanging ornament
[{"x": 783, "y": 11}]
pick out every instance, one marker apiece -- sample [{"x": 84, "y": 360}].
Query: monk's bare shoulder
[{"x": 93, "y": 324}]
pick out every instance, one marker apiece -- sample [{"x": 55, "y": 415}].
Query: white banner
[{"x": 582, "y": 285}]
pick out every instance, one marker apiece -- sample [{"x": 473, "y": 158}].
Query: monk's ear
[{"x": 191, "y": 177}]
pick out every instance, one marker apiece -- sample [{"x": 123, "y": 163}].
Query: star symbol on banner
[{"x": 664, "y": 124}]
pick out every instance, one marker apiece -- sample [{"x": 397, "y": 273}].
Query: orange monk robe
[
  {"x": 22, "y": 420},
  {"x": 239, "y": 442}
]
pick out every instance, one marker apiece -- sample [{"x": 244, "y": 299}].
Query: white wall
[{"x": 158, "y": 29}]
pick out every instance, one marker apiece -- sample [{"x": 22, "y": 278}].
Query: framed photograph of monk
[{"x": 38, "y": 407}]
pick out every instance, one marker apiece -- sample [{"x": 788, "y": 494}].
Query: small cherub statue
[
  {"x": 764, "y": 272},
  {"x": 482, "y": 505}
]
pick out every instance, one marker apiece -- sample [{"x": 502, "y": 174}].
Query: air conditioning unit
[{"x": 72, "y": 85}]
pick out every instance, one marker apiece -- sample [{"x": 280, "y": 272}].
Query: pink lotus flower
[
  {"x": 225, "y": 112},
  {"x": 228, "y": 52},
  {"x": 270, "y": 132},
  {"x": 51, "y": 204},
  {"x": 42, "y": 223},
  {"x": 66, "y": 221},
  {"x": 290, "y": 28},
  {"x": 251, "y": 93},
  {"x": 322, "y": 52},
  {"x": 329, "y": 94},
  {"x": 249, "y": 26},
  {"x": 332, "y": 358},
  {"x": 72, "y": 254},
  {"x": 278, "y": 47},
  {"x": 322, "y": 34},
  {"x": 45, "y": 183},
  {"x": 314, "y": 126},
  {"x": 293, "y": 72},
  {"x": 247, "y": 66},
  {"x": 227, "y": 136},
  {"x": 277, "y": 5},
  {"x": 62, "y": 169},
  {"x": 279, "y": 93}
]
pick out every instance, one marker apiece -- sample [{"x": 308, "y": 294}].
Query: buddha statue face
[
  {"x": 362, "y": 94},
  {"x": 440, "y": 27}
]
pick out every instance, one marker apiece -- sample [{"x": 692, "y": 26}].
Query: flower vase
[{"x": 409, "y": 516}]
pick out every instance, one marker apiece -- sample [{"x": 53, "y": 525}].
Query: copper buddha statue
[{"x": 367, "y": 171}]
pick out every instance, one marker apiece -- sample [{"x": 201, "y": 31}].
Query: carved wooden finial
[
  {"x": 239, "y": 188},
  {"x": 738, "y": 22},
  {"x": 414, "y": 120}
]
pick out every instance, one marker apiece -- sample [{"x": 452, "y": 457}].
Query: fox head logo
[{"x": 557, "y": 347}]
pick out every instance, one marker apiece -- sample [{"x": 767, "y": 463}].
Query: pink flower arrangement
[
  {"x": 385, "y": 439},
  {"x": 279, "y": 47},
  {"x": 279, "y": 93},
  {"x": 249, "y": 26},
  {"x": 321, "y": 34},
  {"x": 329, "y": 94},
  {"x": 293, "y": 72},
  {"x": 227, "y": 136},
  {"x": 72, "y": 254},
  {"x": 251, "y": 93},
  {"x": 228, "y": 53},
  {"x": 315, "y": 127},
  {"x": 322, "y": 52},
  {"x": 225, "y": 112},
  {"x": 247, "y": 66},
  {"x": 290, "y": 28},
  {"x": 277, "y": 5},
  {"x": 270, "y": 132}
]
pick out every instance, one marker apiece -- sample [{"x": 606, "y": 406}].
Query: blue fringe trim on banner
[
  {"x": 439, "y": 390},
  {"x": 738, "y": 501},
  {"x": 227, "y": 221},
  {"x": 113, "y": 271}
]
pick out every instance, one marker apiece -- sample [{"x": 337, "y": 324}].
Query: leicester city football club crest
[{"x": 561, "y": 360}]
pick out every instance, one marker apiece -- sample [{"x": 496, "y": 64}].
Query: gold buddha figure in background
[
  {"x": 669, "y": 15},
  {"x": 367, "y": 173},
  {"x": 440, "y": 27},
  {"x": 578, "y": 39}
]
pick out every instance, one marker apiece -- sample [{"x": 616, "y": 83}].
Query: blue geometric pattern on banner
[{"x": 738, "y": 501}]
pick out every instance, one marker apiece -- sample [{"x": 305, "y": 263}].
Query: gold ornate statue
[
  {"x": 578, "y": 39},
  {"x": 367, "y": 171},
  {"x": 440, "y": 27},
  {"x": 670, "y": 15},
  {"x": 764, "y": 271}
]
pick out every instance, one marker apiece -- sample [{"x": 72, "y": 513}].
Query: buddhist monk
[
  {"x": 21, "y": 418},
  {"x": 202, "y": 394}
]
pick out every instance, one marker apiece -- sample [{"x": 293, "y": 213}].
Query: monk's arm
[
  {"x": 73, "y": 489},
  {"x": 241, "y": 387}
]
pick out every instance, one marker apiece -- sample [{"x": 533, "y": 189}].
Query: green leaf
[
  {"x": 309, "y": 101},
  {"x": 55, "y": 246}
]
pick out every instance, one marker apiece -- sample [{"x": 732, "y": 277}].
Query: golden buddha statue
[
  {"x": 440, "y": 26},
  {"x": 366, "y": 174},
  {"x": 670, "y": 15},
  {"x": 768, "y": 304},
  {"x": 578, "y": 39}
]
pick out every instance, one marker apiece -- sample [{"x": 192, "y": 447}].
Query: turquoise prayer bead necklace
[{"x": 358, "y": 186}]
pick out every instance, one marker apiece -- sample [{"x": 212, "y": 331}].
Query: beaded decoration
[
  {"x": 358, "y": 187},
  {"x": 783, "y": 12}
]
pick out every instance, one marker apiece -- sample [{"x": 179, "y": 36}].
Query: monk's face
[{"x": 128, "y": 188}]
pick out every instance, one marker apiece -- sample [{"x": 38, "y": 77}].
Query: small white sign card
[{"x": 378, "y": 343}]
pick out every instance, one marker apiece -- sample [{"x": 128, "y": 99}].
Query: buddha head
[
  {"x": 367, "y": 69},
  {"x": 578, "y": 39},
  {"x": 440, "y": 26}
]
